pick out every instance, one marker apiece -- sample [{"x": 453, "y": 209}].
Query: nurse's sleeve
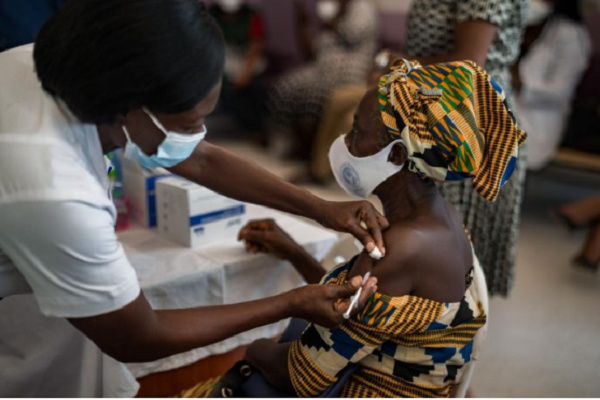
[
  {"x": 496, "y": 12},
  {"x": 69, "y": 254}
]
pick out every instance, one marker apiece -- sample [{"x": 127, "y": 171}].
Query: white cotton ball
[
  {"x": 339, "y": 260},
  {"x": 376, "y": 254}
]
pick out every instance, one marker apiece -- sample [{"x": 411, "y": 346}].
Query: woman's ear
[{"x": 399, "y": 154}]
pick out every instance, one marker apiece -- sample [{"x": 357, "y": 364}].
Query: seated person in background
[
  {"x": 341, "y": 54},
  {"x": 554, "y": 55},
  {"x": 415, "y": 334},
  {"x": 243, "y": 89}
]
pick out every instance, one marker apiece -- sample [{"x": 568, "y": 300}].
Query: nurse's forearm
[
  {"x": 232, "y": 176},
  {"x": 192, "y": 328},
  {"x": 137, "y": 333}
]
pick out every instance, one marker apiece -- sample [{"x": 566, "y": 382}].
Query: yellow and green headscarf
[{"x": 459, "y": 125}]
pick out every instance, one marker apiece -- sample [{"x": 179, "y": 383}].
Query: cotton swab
[{"x": 356, "y": 296}]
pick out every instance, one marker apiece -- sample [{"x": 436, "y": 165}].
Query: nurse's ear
[
  {"x": 399, "y": 154},
  {"x": 114, "y": 131}
]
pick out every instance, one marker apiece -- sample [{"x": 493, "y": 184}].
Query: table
[{"x": 174, "y": 277}]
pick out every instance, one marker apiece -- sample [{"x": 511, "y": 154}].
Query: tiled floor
[{"x": 544, "y": 340}]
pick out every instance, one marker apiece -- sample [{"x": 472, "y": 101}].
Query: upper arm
[
  {"x": 394, "y": 272},
  {"x": 122, "y": 333},
  {"x": 321, "y": 354},
  {"x": 478, "y": 23},
  {"x": 473, "y": 39}
]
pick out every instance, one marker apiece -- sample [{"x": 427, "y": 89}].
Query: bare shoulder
[
  {"x": 396, "y": 272},
  {"x": 426, "y": 260},
  {"x": 404, "y": 242}
]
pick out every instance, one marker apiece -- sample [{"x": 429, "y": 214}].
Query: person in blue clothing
[{"x": 20, "y": 20}]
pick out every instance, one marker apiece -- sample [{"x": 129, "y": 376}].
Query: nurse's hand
[
  {"x": 359, "y": 218},
  {"x": 326, "y": 305}
]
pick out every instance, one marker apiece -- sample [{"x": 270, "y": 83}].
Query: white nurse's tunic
[{"x": 59, "y": 255}]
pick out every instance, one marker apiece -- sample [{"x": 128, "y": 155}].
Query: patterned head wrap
[{"x": 459, "y": 125}]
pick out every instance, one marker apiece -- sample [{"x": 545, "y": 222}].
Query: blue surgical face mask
[{"x": 176, "y": 148}]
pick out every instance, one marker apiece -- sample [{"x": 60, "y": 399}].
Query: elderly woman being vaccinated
[{"x": 415, "y": 336}]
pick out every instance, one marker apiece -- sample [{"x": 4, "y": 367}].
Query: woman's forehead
[
  {"x": 370, "y": 99},
  {"x": 368, "y": 109}
]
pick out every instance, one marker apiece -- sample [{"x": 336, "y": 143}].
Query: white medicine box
[
  {"x": 193, "y": 216},
  {"x": 139, "y": 186}
]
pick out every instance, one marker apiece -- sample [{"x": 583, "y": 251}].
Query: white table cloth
[{"x": 175, "y": 277}]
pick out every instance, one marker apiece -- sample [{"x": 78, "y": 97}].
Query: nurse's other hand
[
  {"x": 326, "y": 305},
  {"x": 265, "y": 236},
  {"x": 358, "y": 218}
]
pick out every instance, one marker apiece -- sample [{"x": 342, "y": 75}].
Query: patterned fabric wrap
[
  {"x": 459, "y": 125},
  {"x": 406, "y": 346}
]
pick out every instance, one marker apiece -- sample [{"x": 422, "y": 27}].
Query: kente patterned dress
[
  {"x": 494, "y": 226},
  {"x": 405, "y": 346}
]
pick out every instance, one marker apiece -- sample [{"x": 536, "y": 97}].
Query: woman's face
[
  {"x": 148, "y": 136},
  {"x": 364, "y": 138}
]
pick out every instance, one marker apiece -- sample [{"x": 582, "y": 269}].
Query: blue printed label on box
[
  {"x": 151, "y": 197},
  {"x": 215, "y": 216}
]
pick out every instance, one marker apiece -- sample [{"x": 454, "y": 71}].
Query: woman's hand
[
  {"x": 359, "y": 218},
  {"x": 265, "y": 236},
  {"x": 326, "y": 305}
]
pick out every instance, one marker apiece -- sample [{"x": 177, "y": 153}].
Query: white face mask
[
  {"x": 359, "y": 176},
  {"x": 176, "y": 148},
  {"x": 327, "y": 10},
  {"x": 538, "y": 11},
  {"x": 231, "y": 6}
]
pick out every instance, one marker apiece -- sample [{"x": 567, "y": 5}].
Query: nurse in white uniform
[{"x": 142, "y": 75}]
